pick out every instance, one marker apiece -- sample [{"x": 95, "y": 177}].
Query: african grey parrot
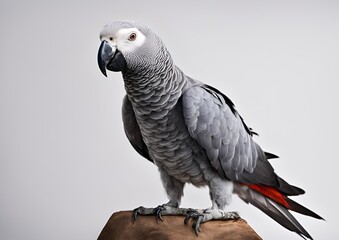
[{"x": 191, "y": 132}]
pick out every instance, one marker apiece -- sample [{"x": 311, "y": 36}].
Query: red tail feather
[{"x": 271, "y": 193}]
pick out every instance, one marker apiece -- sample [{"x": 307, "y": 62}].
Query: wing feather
[
  {"x": 220, "y": 130},
  {"x": 217, "y": 127},
  {"x": 132, "y": 129}
]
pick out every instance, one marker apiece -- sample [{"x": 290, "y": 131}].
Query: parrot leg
[{"x": 174, "y": 189}]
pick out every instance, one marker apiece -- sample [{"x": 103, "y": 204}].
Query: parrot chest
[{"x": 170, "y": 145}]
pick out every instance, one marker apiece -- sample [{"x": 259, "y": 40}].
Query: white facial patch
[{"x": 126, "y": 42}]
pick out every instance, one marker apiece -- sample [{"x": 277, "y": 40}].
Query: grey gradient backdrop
[{"x": 65, "y": 162}]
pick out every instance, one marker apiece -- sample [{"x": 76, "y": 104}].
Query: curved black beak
[
  {"x": 110, "y": 58},
  {"x": 105, "y": 55}
]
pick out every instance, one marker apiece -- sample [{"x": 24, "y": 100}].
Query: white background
[{"x": 66, "y": 165}]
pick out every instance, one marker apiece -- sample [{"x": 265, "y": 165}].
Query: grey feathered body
[
  {"x": 159, "y": 114},
  {"x": 189, "y": 132}
]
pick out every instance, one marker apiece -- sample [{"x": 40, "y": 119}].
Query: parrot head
[{"x": 126, "y": 45}]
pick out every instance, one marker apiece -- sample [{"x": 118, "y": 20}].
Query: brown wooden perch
[{"x": 120, "y": 227}]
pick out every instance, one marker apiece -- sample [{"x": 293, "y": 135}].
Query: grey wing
[
  {"x": 132, "y": 129},
  {"x": 217, "y": 127}
]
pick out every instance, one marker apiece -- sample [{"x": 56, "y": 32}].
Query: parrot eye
[
  {"x": 111, "y": 38},
  {"x": 132, "y": 37}
]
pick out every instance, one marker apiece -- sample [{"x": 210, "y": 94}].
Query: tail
[{"x": 276, "y": 205}]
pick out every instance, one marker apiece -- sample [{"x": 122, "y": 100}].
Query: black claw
[
  {"x": 197, "y": 223},
  {"x": 187, "y": 218},
  {"x": 158, "y": 212},
  {"x": 135, "y": 213},
  {"x": 189, "y": 214},
  {"x": 197, "y": 220}
]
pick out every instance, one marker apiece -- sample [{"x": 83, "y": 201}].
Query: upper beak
[
  {"x": 109, "y": 57},
  {"x": 105, "y": 54}
]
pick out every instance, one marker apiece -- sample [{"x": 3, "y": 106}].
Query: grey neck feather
[{"x": 156, "y": 86}]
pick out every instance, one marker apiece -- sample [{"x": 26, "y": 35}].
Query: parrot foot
[
  {"x": 207, "y": 215},
  {"x": 159, "y": 211},
  {"x": 198, "y": 216}
]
